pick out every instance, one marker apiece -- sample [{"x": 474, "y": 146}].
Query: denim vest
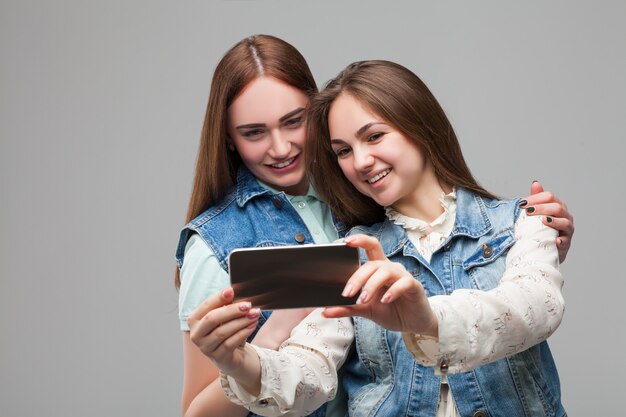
[
  {"x": 249, "y": 216},
  {"x": 383, "y": 379}
]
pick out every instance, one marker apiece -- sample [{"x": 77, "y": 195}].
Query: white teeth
[
  {"x": 379, "y": 176},
  {"x": 284, "y": 163}
]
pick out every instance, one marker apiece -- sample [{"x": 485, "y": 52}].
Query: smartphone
[{"x": 280, "y": 277}]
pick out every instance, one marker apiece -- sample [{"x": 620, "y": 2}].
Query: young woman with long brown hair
[{"x": 465, "y": 286}]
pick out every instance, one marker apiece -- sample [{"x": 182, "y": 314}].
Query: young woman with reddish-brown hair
[{"x": 250, "y": 189}]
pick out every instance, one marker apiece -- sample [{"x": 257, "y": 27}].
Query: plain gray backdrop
[{"x": 101, "y": 106}]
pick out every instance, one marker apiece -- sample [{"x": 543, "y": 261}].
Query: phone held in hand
[{"x": 278, "y": 277}]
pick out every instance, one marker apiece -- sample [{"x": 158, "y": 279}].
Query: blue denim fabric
[
  {"x": 383, "y": 379},
  {"x": 249, "y": 216}
]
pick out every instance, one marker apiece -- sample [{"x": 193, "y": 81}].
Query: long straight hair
[
  {"x": 251, "y": 58},
  {"x": 400, "y": 98}
]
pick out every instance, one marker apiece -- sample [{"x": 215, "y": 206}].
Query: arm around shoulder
[{"x": 478, "y": 327}]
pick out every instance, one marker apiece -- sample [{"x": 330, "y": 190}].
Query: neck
[
  {"x": 423, "y": 203},
  {"x": 301, "y": 188}
]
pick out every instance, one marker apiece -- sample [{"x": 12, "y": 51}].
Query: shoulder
[
  {"x": 226, "y": 203},
  {"x": 495, "y": 211},
  {"x": 374, "y": 230}
]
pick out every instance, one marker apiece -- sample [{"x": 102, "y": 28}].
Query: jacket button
[
  {"x": 480, "y": 413},
  {"x": 300, "y": 238},
  {"x": 487, "y": 251},
  {"x": 443, "y": 367},
  {"x": 277, "y": 203},
  {"x": 447, "y": 247}
]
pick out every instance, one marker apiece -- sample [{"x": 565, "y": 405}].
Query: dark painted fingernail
[
  {"x": 549, "y": 219},
  {"x": 523, "y": 203},
  {"x": 530, "y": 210}
]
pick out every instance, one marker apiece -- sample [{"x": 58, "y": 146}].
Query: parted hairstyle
[
  {"x": 251, "y": 58},
  {"x": 401, "y": 99}
]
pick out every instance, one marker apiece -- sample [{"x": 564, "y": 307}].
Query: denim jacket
[
  {"x": 383, "y": 379},
  {"x": 249, "y": 216}
]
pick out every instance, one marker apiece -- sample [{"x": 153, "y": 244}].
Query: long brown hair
[
  {"x": 252, "y": 57},
  {"x": 398, "y": 96}
]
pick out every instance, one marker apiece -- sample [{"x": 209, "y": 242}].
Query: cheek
[
  {"x": 348, "y": 170},
  {"x": 250, "y": 152},
  {"x": 298, "y": 136}
]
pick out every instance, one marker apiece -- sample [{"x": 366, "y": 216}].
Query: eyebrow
[
  {"x": 282, "y": 119},
  {"x": 291, "y": 114},
  {"x": 358, "y": 133},
  {"x": 364, "y": 128}
]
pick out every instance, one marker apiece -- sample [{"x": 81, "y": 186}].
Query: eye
[
  {"x": 342, "y": 152},
  {"x": 375, "y": 136},
  {"x": 253, "y": 134},
  {"x": 294, "y": 122}
]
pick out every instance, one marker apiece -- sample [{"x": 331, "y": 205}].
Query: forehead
[
  {"x": 347, "y": 114},
  {"x": 264, "y": 100}
]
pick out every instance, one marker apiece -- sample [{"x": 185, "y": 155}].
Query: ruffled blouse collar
[{"x": 448, "y": 202}]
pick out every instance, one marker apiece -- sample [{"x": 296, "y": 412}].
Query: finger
[
  {"x": 563, "y": 244},
  {"x": 406, "y": 286},
  {"x": 210, "y": 342},
  {"x": 547, "y": 209},
  {"x": 540, "y": 198},
  {"x": 337, "y": 312},
  {"x": 359, "y": 278},
  {"x": 211, "y": 303},
  {"x": 384, "y": 276},
  {"x": 238, "y": 340},
  {"x": 235, "y": 341},
  {"x": 536, "y": 187},
  {"x": 219, "y": 316},
  {"x": 563, "y": 225},
  {"x": 346, "y": 311},
  {"x": 371, "y": 246}
]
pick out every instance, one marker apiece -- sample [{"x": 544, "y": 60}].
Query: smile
[
  {"x": 379, "y": 176},
  {"x": 284, "y": 163}
]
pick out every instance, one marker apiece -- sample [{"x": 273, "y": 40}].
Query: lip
[
  {"x": 292, "y": 165},
  {"x": 380, "y": 180}
]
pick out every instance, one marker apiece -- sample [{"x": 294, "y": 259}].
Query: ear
[{"x": 230, "y": 144}]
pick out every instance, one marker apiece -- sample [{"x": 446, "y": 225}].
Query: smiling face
[
  {"x": 377, "y": 159},
  {"x": 266, "y": 127}
]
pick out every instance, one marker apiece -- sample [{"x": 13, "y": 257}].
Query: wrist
[
  {"x": 268, "y": 340},
  {"x": 248, "y": 372},
  {"x": 428, "y": 328}
]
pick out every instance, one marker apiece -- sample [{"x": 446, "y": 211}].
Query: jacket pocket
[
  {"x": 486, "y": 263},
  {"x": 535, "y": 379}
]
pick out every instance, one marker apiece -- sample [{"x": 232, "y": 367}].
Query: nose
[
  {"x": 363, "y": 159},
  {"x": 281, "y": 146}
]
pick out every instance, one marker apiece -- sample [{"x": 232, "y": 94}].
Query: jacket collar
[
  {"x": 471, "y": 220},
  {"x": 247, "y": 186},
  {"x": 471, "y": 215}
]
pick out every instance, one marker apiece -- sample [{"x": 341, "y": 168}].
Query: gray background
[{"x": 101, "y": 105}]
